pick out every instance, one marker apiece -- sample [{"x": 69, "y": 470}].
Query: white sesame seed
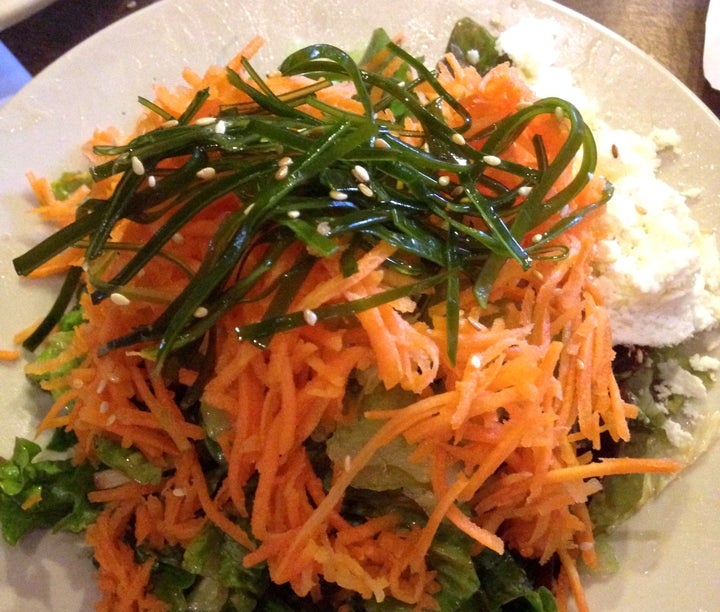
[
  {"x": 119, "y": 299},
  {"x": 206, "y": 121},
  {"x": 309, "y": 316},
  {"x": 472, "y": 56},
  {"x": 365, "y": 190},
  {"x": 281, "y": 173},
  {"x": 104, "y": 407},
  {"x": 537, "y": 274},
  {"x": 536, "y": 238},
  {"x": 137, "y": 166},
  {"x": 323, "y": 228},
  {"x": 101, "y": 386},
  {"x": 274, "y": 74},
  {"x": 170, "y": 123},
  {"x": 476, "y": 361},
  {"x": 492, "y": 160},
  {"x": 293, "y": 214},
  {"x": 178, "y": 238},
  {"x": 285, "y": 161},
  {"x": 381, "y": 144},
  {"x": 524, "y": 190},
  {"x": 458, "y": 139},
  {"x": 111, "y": 419},
  {"x": 152, "y": 181},
  {"x": 201, "y": 312},
  {"x": 444, "y": 180},
  {"x": 425, "y": 147},
  {"x": 85, "y": 266},
  {"x": 77, "y": 383},
  {"x": 179, "y": 492},
  {"x": 220, "y": 127},
  {"x": 347, "y": 463},
  {"x": 248, "y": 208},
  {"x": 559, "y": 113},
  {"x": 113, "y": 377},
  {"x": 205, "y": 174},
  {"x": 565, "y": 211},
  {"x": 338, "y": 195},
  {"x": 580, "y": 364},
  {"x": 361, "y": 174}
]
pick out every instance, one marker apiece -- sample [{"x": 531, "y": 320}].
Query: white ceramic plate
[
  {"x": 14, "y": 11},
  {"x": 669, "y": 553}
]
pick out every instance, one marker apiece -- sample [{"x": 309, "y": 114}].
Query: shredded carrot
[
  {"x": 532, "y": 383},
  {"x": 9, "y": 355}
]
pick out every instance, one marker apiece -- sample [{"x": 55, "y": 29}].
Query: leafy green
[
  {"x": 472, "y": 44},
  {"x": 129, "y": 461},
  {"x": 41, "y": 494},
  {"x": 68, "y": 183}
]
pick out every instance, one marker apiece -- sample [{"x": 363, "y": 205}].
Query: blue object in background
[{"x": 12, "y": 75}]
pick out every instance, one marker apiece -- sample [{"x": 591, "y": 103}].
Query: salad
[{"x": 330, "y": 337}]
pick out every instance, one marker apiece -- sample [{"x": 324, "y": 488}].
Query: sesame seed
[
  {"x": 476, "y": 361},
  {"x": 444, "y": 180},
  {"x": 113, "y": 377},
  {"x": 152, "y": 181},
  {"x": 274, "y": 74},
  {"x": 309, "y": 316},
  {"x": 347, "y": 463},
  {"x": 565, "y": 211},
  {"x": 472, "y": 56},
  {"x": 101, "y": 386},
  {"x": 137, "y": 166},
  {"x": 559, "y": 113},
  {"x": 111, "y": 419},
  {"x": 361, "y": 174},
  {"x": 220, "y": 127},
  {"x": 381, "y": 144},
  {"x": 538, "y": 275},
  {"x": 641, "y": 210},
  {"x": 338, "y": 195},
  {"x": 323, "y": 228},
  {"x": 536, "y": 238},
  {"x": 458, "y": 139},
  {"x": 614, "y": 151},
  {"x": 248, "y": 208},
  {"x": 77, "y": 383},
  {"x": 178, "y": 238},
  {"x": 293, "y": 214},
  {"x": 524, "y": 190},
  {"x": 281, "y": 173},
  {"x": 580, "y": 364},
  {"x": 104, "y": 407},
  {"x": 205, "y": 174},
  {"x": 170, "y": 123},
  {"x": 119, "y": 299},
  {"x": 201, "y": 312},
  {"x": 365, "y": 190},
  {"x": 179, "y": 492},
  {"x": 492, "y": 160},
  {"x": 458, "y": 191},
  {"x": 206, "y": 121},
  {"x": 425, "y": 147},
  {"x": 285, "y": 161}
]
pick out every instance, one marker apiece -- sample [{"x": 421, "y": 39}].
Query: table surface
[{"x": 672, "y": 31}]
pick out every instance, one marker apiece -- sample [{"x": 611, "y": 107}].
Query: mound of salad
[{"x": 345, "y": 337}]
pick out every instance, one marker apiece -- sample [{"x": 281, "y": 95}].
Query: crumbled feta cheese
[
  {"x": 676, "y": 380},
  {"x": 676, "y": 435},
  {"x": 704, "y": 363}
]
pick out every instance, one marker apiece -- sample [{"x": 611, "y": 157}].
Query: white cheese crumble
[{"x": 660, "y": 273}]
